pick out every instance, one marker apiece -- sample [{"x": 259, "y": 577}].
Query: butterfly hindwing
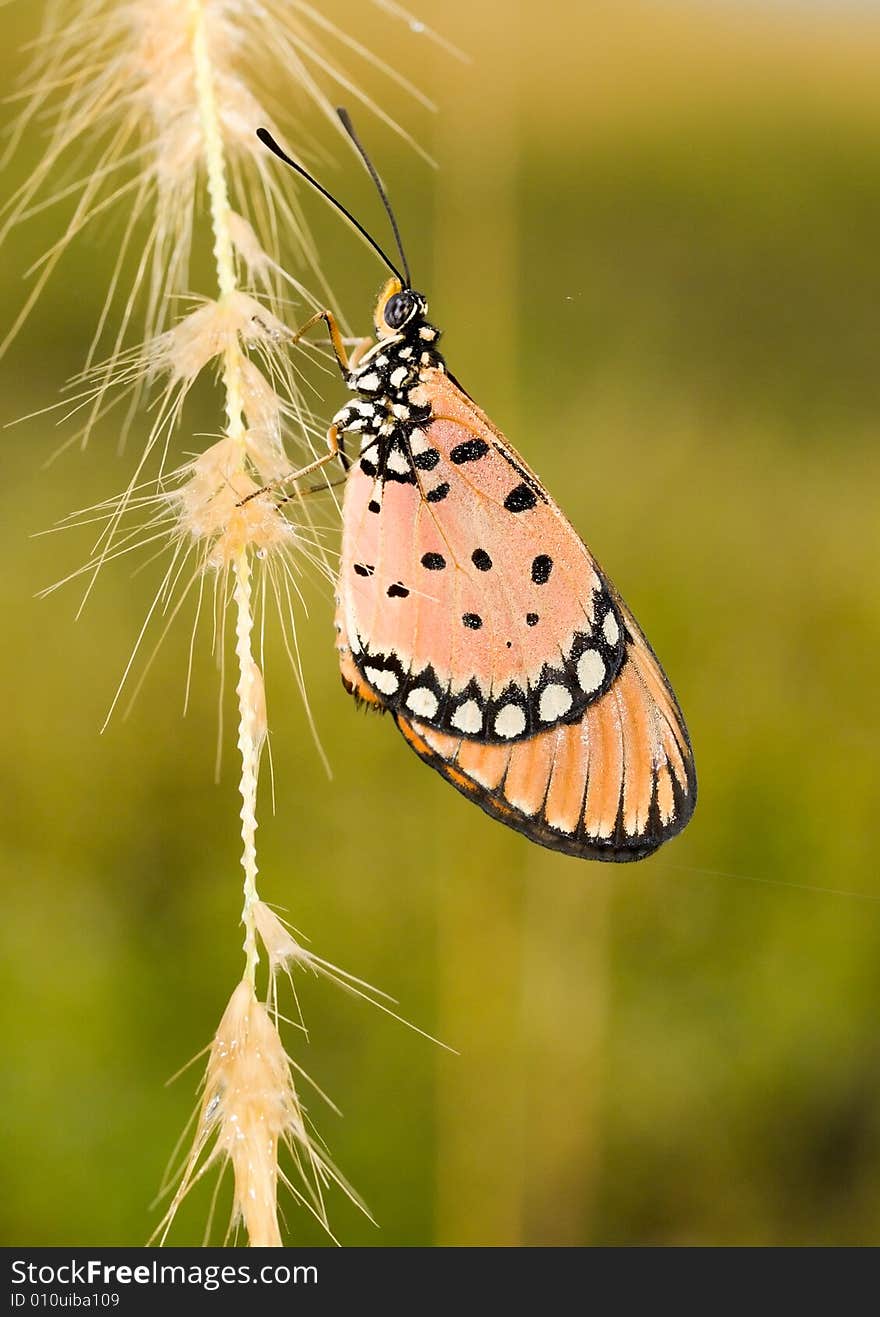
[
  {"x": 467, "y": 600},
  {"x": 614, "y": 786}
]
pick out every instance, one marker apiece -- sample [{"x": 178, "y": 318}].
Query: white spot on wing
[
  {"x": 398, "y": 376},
  {"x": 383, "y": 679},
  {"x": 369, "y": 383},
  {"x": 611, "y": 629},
  {"x": 510, "y": 721},
  {"x": 468, "y": 718},
  {"x": 422, "y": 701},
  {"x": 590, "y": 670},
  {"x": 397, "y": 462},
  {"x": 418, "y": 442},
  {"x": 555, "y": 701}
]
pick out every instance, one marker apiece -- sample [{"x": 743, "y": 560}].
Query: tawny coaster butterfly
[{"x": 469, "y": 608}]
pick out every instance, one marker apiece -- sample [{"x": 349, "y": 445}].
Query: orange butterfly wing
[
  {"x": 609, "y": 777},
  {"x": 613, "y": 786},
  {"x": 466, "y": 598}
]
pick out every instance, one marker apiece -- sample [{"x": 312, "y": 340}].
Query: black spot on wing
[
  {"x": 438, "y": 493},
  {"x": 469, "y": 451},
  {"x": 520, "y": 499},
  {"x": 481, "y": 560},
  {"x": 397, "y": 591},
  {"x": 472, "y": 620},
  {"x": 542, "y": 566},
  {"x": 527, "y": 477},
  {"x": 364, "y": 568},
  {"x": 433, "y": 562},
  {"x": 427, "y": 460}
]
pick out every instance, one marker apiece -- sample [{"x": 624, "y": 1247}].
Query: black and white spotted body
[{"x": 384, "y": 413}]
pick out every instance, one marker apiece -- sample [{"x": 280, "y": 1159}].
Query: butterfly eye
[{"x": 398, "y": 309}]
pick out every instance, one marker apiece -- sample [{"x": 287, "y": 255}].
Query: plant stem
[
  {"x": 250, "y": 754},
  {"x": 248, "y": 743}
]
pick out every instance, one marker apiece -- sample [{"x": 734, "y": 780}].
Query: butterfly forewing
[{"x": 467, "y": 599}]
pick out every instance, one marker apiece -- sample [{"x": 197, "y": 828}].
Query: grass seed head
[
  {"x": 249, "y": 1109},
  {"x": 211, "y": 508}
]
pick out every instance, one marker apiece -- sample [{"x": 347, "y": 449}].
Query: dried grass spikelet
[
  {"x": 213, "y": 508},
  {"x": 263, "y": 411},
  {"x": 285, "y": 952},
  {"x": 249, "y": 1110},
  {"x": 204, "y": 517},
  {"x": 214, "y": 328},
  {"x": 236, "y": 320},
  {"x": 115, "y": 79},
  {"x": 203, "y": 510}
]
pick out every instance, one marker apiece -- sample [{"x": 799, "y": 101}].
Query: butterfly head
[{"x": 398, "y": 309}]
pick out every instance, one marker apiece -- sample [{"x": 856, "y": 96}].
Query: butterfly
[{"x": 469, "y": 609}]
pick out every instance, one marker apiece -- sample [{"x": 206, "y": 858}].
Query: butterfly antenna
[
  {"x": 268, "y": 140},
  {"x": 345, "y": 120}
]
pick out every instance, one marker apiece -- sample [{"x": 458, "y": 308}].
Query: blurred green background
[{"x": 652, "y": 243}]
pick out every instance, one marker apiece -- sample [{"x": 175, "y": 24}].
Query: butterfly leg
[
  {"x": 335, "y": 443},
  {"x": 362, "y": 345},
  {"x": 335, "y": 452},
  {"x": 336, "y": 341}
]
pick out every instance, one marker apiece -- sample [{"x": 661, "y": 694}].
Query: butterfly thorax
[{"x": 390, "y": 408}]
